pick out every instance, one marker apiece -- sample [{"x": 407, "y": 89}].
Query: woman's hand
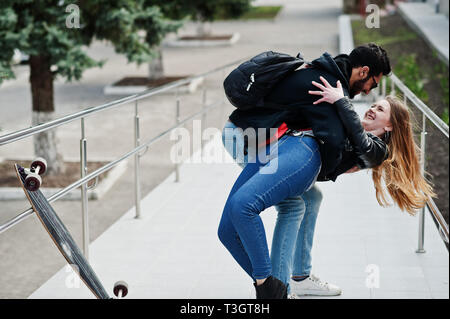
[{"x": 329, "y": 94}]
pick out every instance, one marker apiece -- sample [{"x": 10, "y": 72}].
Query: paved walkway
[
  {"x": 173, "y": 251},
  {"x": 433, "y": 27}
]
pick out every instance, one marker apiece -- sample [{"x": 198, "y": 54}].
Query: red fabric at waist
[
  {"x": 280, "y": 132},
  {"x": 282, "y": 129}
]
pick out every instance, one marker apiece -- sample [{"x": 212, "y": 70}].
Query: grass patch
[
  {"x": 255, "y": 12},
  {"x": 412, "y": 60},
  {"x": 407, "y": 69},
  {"x": 365, "y": 35}
]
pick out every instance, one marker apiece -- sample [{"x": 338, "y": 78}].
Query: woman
[
  {"x": 298, "y": 161},
  {"x": 390, "y": 119}
]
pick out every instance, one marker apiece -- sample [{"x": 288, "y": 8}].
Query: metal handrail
[
  {"x": 137, "y": 151},
  {"x": 20, "y": 134},
  {"x": 437, "y": 216},
  {"x": 346, "y": 45},
  {"x": 436, "y": 120},
  {"x": 17, "y": 219},
  {"x": 427, "y": 113}
]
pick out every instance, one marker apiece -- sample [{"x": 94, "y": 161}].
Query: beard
[{"x": 357, "y": 87}]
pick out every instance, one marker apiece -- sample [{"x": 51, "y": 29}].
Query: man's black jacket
[{"x": 290, "y": 102}]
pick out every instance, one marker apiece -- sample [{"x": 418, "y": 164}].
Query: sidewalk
[
  {"x": 173, "y": 250},
  {"x": 433, "y": 27}
]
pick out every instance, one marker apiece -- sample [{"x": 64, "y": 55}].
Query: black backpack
[{"x": 248, "y": 84}]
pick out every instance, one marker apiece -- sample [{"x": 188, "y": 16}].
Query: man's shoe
[
  {"x": 313, "y": 286},
  {"x": 272, "y": 288}
]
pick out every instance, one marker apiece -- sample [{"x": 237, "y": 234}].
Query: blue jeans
[
  {"x": 294, "y": 231},
  {"x": 241, "y": 230}
]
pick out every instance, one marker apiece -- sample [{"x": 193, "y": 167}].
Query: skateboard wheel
[
  {"x": 33, "y": 182},
  {"x": 41, "y": 162},
  {"x": 120, "y": 287}
]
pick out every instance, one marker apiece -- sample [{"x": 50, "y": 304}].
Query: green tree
[
  {"x": 170, "y": 20},
  {"x": 55, "y": 34},
  {"x": 178, "y": 11}
]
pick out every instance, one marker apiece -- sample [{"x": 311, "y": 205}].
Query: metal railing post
[
  {"x": 383, "y": 87},
  {"x": 224, "y": 99},
  {"x": 203, "y": 120},
  {"x": 137, "y": 178},
  {"x": 177, "y": 121},
  {"x": 377, "y": 91},
  {"x": 420, "y": 248},
  {"x": 84, "y": 188},
  {"x": 84, "y": 180},
  {"x": 392, "y": 88}
]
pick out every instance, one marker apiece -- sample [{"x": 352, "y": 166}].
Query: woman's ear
[{"x": 388, "y": 128}]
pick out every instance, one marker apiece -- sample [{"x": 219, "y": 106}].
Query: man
[{"x": 290, "y": 105}]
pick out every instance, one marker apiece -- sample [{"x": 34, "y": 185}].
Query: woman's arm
[{"x": 371, "y": 150}]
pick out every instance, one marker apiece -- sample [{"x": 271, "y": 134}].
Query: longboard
[{"x": 61, "y": 236}]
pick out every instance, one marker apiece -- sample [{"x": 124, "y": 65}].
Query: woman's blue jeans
[{"x": 297, "y": 162}]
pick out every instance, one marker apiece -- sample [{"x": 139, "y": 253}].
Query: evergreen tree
[
  {"x": 171, "y": 19},
  {"x": 178, "y": 11},
  {"x": 55, "y": 33}
]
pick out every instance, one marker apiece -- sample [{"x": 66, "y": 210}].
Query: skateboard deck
[{"x": 61, "y": 237}]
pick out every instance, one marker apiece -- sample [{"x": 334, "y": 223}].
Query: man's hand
[{"x": 329, "y": 94}]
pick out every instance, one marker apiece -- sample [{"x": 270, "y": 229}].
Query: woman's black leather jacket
[
  {"x": 366, "y": 150},
  {"x": 371, "y": 150}
]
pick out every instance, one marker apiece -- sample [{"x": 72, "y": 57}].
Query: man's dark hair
[{"x": 373, "y": 56}]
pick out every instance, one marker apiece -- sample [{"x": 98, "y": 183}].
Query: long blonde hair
[{"x": 401, "y": 171}]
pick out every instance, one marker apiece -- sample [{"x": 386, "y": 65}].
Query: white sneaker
[{"x": 313, "y": 286}]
